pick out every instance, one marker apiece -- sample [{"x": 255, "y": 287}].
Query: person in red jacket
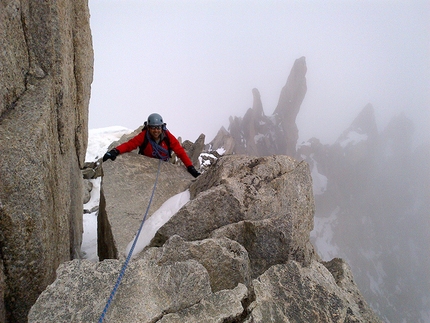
[{"x": 154, "y": 141}]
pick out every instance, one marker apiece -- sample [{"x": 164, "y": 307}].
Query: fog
[{"x": 196, "y": 62}]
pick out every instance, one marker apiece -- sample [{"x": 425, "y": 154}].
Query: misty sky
[{"x": 196, "y": 62}]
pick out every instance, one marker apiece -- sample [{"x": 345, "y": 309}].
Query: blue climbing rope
[
  {"x": 124, "y": 266},
  {"x": 157, "y": 150}
]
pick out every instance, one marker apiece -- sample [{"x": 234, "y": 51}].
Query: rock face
[
  {"x": 238, "y": 251},
  {"x": 126, "y": 190},
  {"x": 265, "y": 204},
  {"x": 45, "y": 74},
  {"x": 259, "y": 135},
  {"x": 288, "y": 107}
]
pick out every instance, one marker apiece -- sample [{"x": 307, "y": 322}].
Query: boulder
[
  {"x": 225, "y": 260},
  {"x": 292, "y": 293},
  {"x": 146, "y": 293},
  {"x": 223, "y": 306},
  {"x": 265, "y": 204},
  {"x": 126, "y": 190},
  {"x": 87, "y": 188}
]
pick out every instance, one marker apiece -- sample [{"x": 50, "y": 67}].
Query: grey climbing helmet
[{"x": 155, "y": 119}]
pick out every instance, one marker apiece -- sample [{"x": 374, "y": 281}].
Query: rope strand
[
  {"x": 124, "y": 266},
  {"x": 157, "y": 150}
]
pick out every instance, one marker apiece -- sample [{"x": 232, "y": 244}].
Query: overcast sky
[{"x": 196, "y": 62}]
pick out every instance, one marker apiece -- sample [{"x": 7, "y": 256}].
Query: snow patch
[
  {"x": 221, "y": 151},
  {"x": 100, "y": 139},
  {"x": 258, "y": 137},
  {"x": 89, "y": 237},
  {"x": 319, "y": 181},
  {"x": 353, "y": 138},
  {"x": 157, "y": 220},
  {"x": 323, "y": 233}
]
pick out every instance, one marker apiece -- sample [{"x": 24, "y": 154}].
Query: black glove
[
  {"x": 111, "y": 154},
  {"x": 193, "y": 171}
]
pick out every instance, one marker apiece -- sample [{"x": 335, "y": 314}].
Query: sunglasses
[{"x": 155, "y": 127}]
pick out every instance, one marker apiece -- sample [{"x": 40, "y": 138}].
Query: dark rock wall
[{"x": 45, "y": 75}]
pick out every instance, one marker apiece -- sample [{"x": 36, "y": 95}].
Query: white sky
[{"x": 196, "y": 62}]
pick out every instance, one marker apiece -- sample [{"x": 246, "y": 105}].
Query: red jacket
[{"x": 137, "y": 141}]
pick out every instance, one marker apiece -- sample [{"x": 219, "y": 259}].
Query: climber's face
[{"x": 155, "y": 131}]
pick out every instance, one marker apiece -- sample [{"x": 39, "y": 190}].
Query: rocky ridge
[
  {"x": 46, "y": 72},
  {"x": 238, "y": 251},
  {"x": 256, "y": 134}
]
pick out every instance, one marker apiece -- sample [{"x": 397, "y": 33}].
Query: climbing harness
[
  {"x": 124, "y": 266},
  {"x": 157, "y": 150}
]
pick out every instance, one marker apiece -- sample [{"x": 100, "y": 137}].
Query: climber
[{"x": 154, "y": 141}]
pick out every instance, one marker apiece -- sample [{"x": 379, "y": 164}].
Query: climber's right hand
[
  {"x": 193, "y": 171},
  {"x": 111, "y": 154}
]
